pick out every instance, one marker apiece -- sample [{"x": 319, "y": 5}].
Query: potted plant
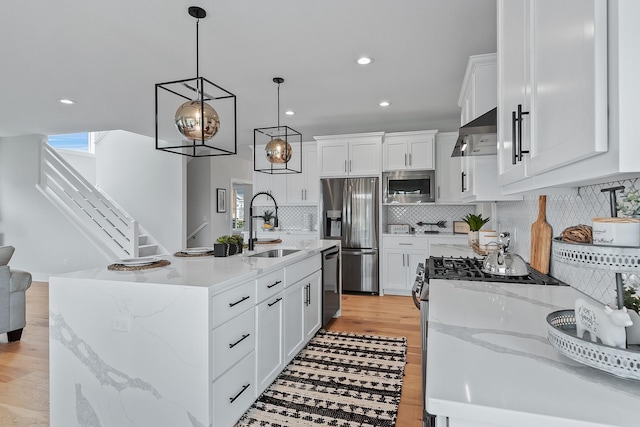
[
  {"x": 475, "y": 223},
  {"x": 228, "y": 245},
  {"x": 267, "y": 216}
]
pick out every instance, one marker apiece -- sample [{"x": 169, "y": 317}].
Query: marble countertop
[
  {"x": 209, "y": 271},
  {"x": 489, "y": 361}
]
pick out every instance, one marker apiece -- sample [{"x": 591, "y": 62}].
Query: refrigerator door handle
[{"x": 359, "y": 252}]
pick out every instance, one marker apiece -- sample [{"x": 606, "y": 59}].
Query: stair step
[
  {"x": 142, "y": 240},
  {"x": 147, "y": 250}
]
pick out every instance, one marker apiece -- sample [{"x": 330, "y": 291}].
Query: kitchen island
[
  {"x": 192, "y": 343},
  {"x": 489, "y": 362}
]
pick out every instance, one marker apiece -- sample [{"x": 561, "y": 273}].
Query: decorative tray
[
  {"x": 622, "y": 259},
  {"x": 623, "y": 363}
]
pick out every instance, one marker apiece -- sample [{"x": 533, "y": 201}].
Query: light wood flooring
[{"x": 24, "y": 365}]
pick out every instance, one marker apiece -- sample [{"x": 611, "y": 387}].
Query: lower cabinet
[
  {"x": 302, "y": 313},
  {"x": 269, "y": 344},
  {"x": 235, "y": 391},
  {"x": 312, "y": 305},
  {"x": 400, "y": 258}
]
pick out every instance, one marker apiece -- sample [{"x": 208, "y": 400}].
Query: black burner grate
[{"x": 471, "y": 269}]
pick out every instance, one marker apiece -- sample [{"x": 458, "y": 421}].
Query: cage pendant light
[
  {"x": 195, "y": 129},
  {"x": 282, "y": 152}
]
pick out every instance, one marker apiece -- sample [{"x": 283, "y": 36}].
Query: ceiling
[{"x": 107, "y": 56}]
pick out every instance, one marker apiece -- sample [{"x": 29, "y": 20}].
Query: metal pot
[{"x": 502, "y": 263}]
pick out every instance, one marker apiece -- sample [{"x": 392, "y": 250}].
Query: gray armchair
[{"x": 13, "y": 285}]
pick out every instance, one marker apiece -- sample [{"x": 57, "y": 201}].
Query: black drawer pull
[
  {"x": 244, "y": 337},
  {"x": 231, "y": 304},
  {"x": 276, "y": 283},
  {"x": 274, "y": 303},
  {"x": 244, "y": 387}
]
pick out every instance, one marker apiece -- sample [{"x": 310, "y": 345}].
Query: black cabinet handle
[
  {"x": 274, "y": 284},
  {"x": 514, "y": 142},
  {"x": 308, "y": 301},
  {"x": 244, "y": 337},
  {"x": 244, "y": 387},
  {"x": 271, "y": 304},
  {"x": 463, "y": 174},
  {"x": 520, "y": 114},
  {"x": 231, "y": 304}
]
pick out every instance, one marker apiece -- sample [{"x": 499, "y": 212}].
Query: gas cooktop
[{"x": 471, "y": 269}]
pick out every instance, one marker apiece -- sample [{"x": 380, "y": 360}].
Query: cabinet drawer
[
  {"x": 233, "y": 302},
  {"x": 270, "y": 284},
  {"x": 392, "y": 242},
  {"x": 232, "y": 341},
  {"x": 296, "y": 272},
  {"x": 234, "y": 392}
]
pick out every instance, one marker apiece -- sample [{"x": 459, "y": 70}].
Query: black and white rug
[{"x": 339, "y": 379}]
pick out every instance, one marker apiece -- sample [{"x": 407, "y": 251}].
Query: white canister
[
  {"x": 616, "y": 231},
  {"x": 488, "y": 239}
]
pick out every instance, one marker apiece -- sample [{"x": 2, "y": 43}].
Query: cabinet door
[
  {"x": 414, "y": 257},
  {"x": 333, "y": 157},
  {"x": 395, "y": 156},
  {"x": 294, "y": 333},
  {"x": 269, "y": 345},
  {"x": 364, "y": 158},
  {"x": 420, "y": 154},
  {"x": 513, "y": 76},
  {"x": 466, "y": 180},
  {"x": 312, "y": 177},
  {"x": 395, "y": 269},
  {"x": 569, "y": 93},
  {"x": 448, "y": 169},
  {"x": 296, "y": 181},
  {"x": 312, "y": 305}
]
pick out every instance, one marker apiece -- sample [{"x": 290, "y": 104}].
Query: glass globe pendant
[
  {"x": 278, "y": 151},
  {"x": 189, "y": 122}
]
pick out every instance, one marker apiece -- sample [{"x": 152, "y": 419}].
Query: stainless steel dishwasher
[{"x": 330, "y": 283}]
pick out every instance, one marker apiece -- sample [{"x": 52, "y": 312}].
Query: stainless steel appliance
[
  {"x": 409, "y": 186},
  {"x": 350, "y": 214},
  {"x": 457, "y": 269},
  {"x": 478, "y": 137},
  {"x": 330, "y": 284}
]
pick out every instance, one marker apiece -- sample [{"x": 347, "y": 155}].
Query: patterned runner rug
[{"x": 339, "y": 379}]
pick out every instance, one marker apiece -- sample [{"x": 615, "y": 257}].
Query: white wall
[
  {"x": 205, "y": 175},
  {"x": 150, "y": 185},
  {"x": 46, "y": 242},
  {"x": 84, "y": 163}
]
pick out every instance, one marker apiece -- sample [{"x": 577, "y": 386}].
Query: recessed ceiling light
[
  {"x": 67, "y": 101},
  {"x": 384, "y": 104},
  {"x": 289, "y": 113},
  {"x": 364, "y": 60}
]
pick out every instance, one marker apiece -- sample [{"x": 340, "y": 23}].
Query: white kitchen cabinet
[
  {"x": 312, "y": 304},
  {"x": 448, "y": 169},
  {"x": 552, "y": 69},
  {"x": 294, "y": 334},
  {"x": 291, "y": 188},
  {"x": 409, "y": 150},
  {"x": 478, "y": 178},
  {"x": 400, "y": 258},
  {"x": 269, "y": 343},
  {"x": 303, "y": 188},
  {"x": 349, "y": 155}
]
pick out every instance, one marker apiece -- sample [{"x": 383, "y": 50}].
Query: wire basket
[
  {"x": 610, "y": 258},
  {"x": 623, "y": 363}
]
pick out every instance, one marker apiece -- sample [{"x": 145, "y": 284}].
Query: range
[{"x": 449, "y": 268}]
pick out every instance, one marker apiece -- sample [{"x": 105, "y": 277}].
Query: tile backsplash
[
  {"x": 564, "y": 211},
  {"x": 412, "y": 214}
]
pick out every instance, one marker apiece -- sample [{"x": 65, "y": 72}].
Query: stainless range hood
[{"x": 478, "y": 137}]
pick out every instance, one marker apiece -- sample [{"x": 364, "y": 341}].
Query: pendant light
[
  {"x": 193, "y": 128},
  {"x": 279, "y": 150}
]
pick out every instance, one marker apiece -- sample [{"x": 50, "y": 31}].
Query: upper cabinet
[
  {"x": 552, "y": 97},
  {"x": 349, "y": 155},
  {"x": 291, "y": 188},
  {"x": 478, "y": 180},
  {"x": 447, "y": 170},
  {"x": 576, "y": 79},
  {"x": 408, "y": 150}
]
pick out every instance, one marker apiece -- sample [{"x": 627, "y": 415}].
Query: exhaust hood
[{"x": 478, "y": 137}]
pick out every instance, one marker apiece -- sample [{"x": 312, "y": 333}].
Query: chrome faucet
[{"x": 251, "y": 216}]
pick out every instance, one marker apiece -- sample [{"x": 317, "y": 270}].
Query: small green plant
[
  {"x": 475, "y": 221},
  {"x": 235, "y": 240},
  {"x": 631, "y": 299},
  {"x": 629, "y": 205},
  {"x": 267, "y": 216}
]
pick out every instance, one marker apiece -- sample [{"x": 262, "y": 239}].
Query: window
[{"x": 74, "y": 141}]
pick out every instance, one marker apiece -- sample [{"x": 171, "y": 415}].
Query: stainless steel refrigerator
[{"x": 350, "y": 214}]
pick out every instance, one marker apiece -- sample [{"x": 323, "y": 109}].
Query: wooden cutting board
[{"x": 541, "y": 239}]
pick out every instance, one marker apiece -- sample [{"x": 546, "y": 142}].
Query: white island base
[{"x": 176, "y": 345}]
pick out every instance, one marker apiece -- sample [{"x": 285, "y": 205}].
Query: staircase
[{"x": 107, "y": 225}]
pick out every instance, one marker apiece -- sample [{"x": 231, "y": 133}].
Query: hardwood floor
[{"x": 24, "y": 365}]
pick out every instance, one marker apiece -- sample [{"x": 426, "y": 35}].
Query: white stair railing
[{"x": 114, "y": 230}]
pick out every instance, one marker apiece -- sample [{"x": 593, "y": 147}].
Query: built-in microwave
[{"x": 409, "y": 186}]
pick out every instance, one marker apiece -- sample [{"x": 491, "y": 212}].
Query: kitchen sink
[{"x": 275, "y": 253}]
